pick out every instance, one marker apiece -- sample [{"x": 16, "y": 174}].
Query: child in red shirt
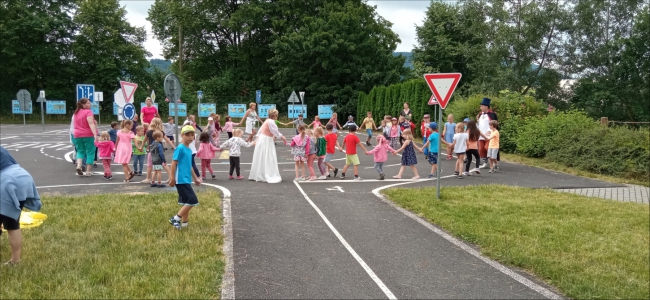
[
  {"x": 351, "y": 158},
  {"x": 331, "y": 138}
]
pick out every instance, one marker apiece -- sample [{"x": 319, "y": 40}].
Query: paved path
[
  {"x": 332, "y": 238},
  {"x": 628, "y": 193}
]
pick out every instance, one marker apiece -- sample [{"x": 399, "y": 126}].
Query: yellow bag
[{"x": 30, "y": 219}]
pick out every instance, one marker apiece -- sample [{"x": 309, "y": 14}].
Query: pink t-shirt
[
  {"x": 148, "y": 113},
  {"x": 81, "y": 127}
]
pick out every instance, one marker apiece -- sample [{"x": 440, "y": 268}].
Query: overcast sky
[{"x": 404, "y": 15}]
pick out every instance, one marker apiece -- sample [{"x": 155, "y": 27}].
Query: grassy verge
[
  {"x": 118, "y": 246},
  {"x": 586, "y": 247}
]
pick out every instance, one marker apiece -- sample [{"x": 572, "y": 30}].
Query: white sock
[
  {"x": 177, "y": 218},
  {"x": 184, "y": 224}
]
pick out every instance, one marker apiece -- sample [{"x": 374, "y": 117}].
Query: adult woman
[
  {"x": 17, "y": 190},
  {"x": 148, "y": 112},
  {"x": 85, "y": 134},
  {"x": 251, "y": 117},
  {"x": 265, "y": 161},
  {"x": 406, "y": 112}
]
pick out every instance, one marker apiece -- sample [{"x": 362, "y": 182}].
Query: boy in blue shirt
[
  {"x": 182, "y": 177},
  {"x": 432, "y": 142}
]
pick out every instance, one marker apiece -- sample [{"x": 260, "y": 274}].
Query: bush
[{"x": 538, "y": 134}]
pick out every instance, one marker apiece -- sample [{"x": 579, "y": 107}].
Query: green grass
[
  {"x": 118, "y": 246},
  {"x": 589, "y": 248}
]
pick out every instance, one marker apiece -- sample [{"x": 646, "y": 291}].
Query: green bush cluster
[{"x": 536, "y": 135}]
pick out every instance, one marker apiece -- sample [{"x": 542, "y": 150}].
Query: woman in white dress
[
  {"x": 265, "y": 160},
  {"x": 251, "y": 117}
]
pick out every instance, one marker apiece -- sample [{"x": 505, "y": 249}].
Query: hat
[
  {"x": 350, "y": 117},
  {"x": 210, "y": 119},
  {"x": 187, "y": 122},
  {"x": 466, "y": 120},
  {"x": 433, "y": 125},
  {"x": 426, "y": 116},
  {"x": 486, "y": 102},
  {"x": 393, "y": 119},
  {"x": 187, "y": 129}
]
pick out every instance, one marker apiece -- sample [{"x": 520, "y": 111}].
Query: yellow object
[
  {"x": 187, "y": 128},
  {"x": 30, "y": 219},
  {"x": 225, "y": 154}
]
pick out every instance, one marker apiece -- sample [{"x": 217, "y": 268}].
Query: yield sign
[
  {"x": 442, "y": 85},
  {"x": 128, "y": 88}
]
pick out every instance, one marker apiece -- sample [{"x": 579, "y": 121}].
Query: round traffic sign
[{"x": 128, "y": 111}]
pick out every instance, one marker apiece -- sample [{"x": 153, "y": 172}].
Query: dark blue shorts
[
  {"x": 433, "y": 158},
  {"x": 186, "y": 195}
]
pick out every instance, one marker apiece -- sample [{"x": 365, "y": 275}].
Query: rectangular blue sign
[
  {"x": 95, "y": 108},
  {"x": 115, "y": 108},
  {"x": 325, "y": 111},
  {"x": 15, "y": 108},
  {"x": 143, "y": 104},
  {"x": 263, "y": 110},
  {"x": 182, "y": 110},
  {"x": 236, "y": 110},
  {"x": 55, "y": 107},
  {"x": 295, "y": 110},
  {"x": 86, "y": 91},
  {"x": 205, "y": 109},
  {"x": 258, "y": 96}
]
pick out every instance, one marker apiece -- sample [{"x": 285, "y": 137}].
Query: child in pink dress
[
  {"x": 228, "y": 127},
  {"x": 300, "y": 150},
  {"x": 316, "y": 123},
  {"x": 380, "y": 154},
  {"x": 124, "y": 149},
  {"x": 106, "y": 149},
  {"x": 206, "y": 154}
]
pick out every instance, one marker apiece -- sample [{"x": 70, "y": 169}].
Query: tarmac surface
[{"x": 324, "y": 239}]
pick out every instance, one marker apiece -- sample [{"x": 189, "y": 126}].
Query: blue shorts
[
  {"x": 369, "y": 131},
  {"x": 328, "y": 157},
  {"x": 433, "y": 158},
  {"x": 186, "y": 195}
]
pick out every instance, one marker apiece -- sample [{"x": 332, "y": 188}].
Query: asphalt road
[{"x": 322, "y": 239}]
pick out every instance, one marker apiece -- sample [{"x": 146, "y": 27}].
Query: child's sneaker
[
  {"x": 109, "y": 177},
  {"x": 431, "y": 176},
  {"x": 296, "y": 179},
  {"x": 336, "y": 172},
  {"x": 478, "y": 171},
  {"x": 230, "y": 177},
  {"x": 496, "y": 167},
  {"x": 460, "y": 177},
  {"x": 456, "y": 173},
  {"x": 381, "y": 176},
  {"x": 466, "y": 174},
  {"x": 154, "y": 185},
  {"x": 175, "y": 223},
  {"x": 322, "y": 177},
  {"x": 491, "y": 171},
  {"x": 357, "y": 178},
  {"x": 214, "y": 176},
  {"x": 203, "y": 178},
  {"x": 161, "y": 185},
  {"x": 312, "y": 178},
  {"x": 240, "y": 177},
  {"x": 342, "y": 176}
]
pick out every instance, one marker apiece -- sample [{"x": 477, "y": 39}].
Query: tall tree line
[{"x": 529, "y": 46}]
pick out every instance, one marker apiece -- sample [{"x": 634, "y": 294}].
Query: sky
[{"x": 404, "y": 14}]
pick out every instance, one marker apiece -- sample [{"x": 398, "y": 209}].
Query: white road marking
[
  {"x": 26, "y": 145},
  {"x": 503, "y": 269},
  {"x": 64, "y": 147},
  {"x": 336, "y": 188},
  {"x": 347, "y": 246}
]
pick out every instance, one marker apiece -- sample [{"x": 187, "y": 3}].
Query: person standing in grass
[
  {"x": 408, "y": 157},
  {"x": 350, "y": 146},
  {"x": 182, "y": 176}
]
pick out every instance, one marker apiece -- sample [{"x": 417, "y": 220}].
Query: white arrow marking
[{"x": 336, "y": 188}]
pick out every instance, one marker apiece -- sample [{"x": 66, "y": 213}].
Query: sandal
[
  {"x": 11, "y": 263},
  {"x": 131, "y": 175},
  {"x": 145, "y": 181},
  {"x": 397, "y": 177},
  {"x": 126, "y": 180}
]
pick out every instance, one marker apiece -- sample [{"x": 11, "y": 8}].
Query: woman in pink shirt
[
  {"x": 85, "y": 134},
  {"x": 148, "y": 112}
]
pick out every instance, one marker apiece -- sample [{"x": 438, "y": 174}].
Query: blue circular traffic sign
[{"x": 128, "y": 111}]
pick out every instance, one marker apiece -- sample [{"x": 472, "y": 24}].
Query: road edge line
[
  {"x": 462, "y": 245},
  {"x": 228, "y": 282}
]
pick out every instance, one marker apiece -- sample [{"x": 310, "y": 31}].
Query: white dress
[
  {"x": 250, "y": 122},
  {"x": 265, "y": 160}
]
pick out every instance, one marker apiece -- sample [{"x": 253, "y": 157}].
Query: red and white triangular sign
[
  {"x": 442, "y": 86},
  {"x": 128, "y": 88}
]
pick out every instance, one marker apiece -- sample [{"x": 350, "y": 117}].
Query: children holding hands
[
  {"x": 380, "y": 156},
  {"x": 350, "y": 147}
]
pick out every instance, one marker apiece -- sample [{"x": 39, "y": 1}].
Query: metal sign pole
[
  {"x": 42, "y": 117},
  {"x": 24, "y": 128},
  {"x": 439, "y": 156}
]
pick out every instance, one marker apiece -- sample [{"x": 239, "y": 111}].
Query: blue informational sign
[
  {"x": 143, "y": 104},
  {"x": 15, "y": 108},
  {"x": 128, "y": 111},
  {"x": 205, "y": 109},
  {"x": 86, "y": 91},
  {"x": 55, "y": 107},
  {"x": 263, "y": 110},
  {"x": 236, "y": 110},
  {"x": 325, "y": 111},
  {"x": 115, "y": 108},
  {"x": 258, "y": 96},
  {"x": 295, "y": 110},
  {"x": 95, "y": 108},
  {"x": 182, "y": 110}
]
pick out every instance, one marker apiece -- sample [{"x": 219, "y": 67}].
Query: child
[
  {"x": 106, "y": 148},
  {"x": 408, "y": 157},
  {"x": 493, "y": 147},
  {"x": 192, "y": 147},
  {"x": 316, "y": 123},
  {"x": 311, "y": 156},
  {"x": 351, "y": 158},
  {"x": 206, "y": 154},
  {"x": 124, "y": 150},
  {"x": 228, "y": 127},
  {"x": 113, "y": 132},
  {"x": 448, "y": 133},
  {"x": 235, "y": 144},
  {"x": 460, "y": 147},
  {"x": 182, "y": 162},
  {"x": 426, "y": 132},
  {"x": 139, "y": 151},
  {"x": 370, "y": 125},
  {"x": 321, "y": 146},
  {"x": 335, "y": 123},
  {"x": 473, "y": 134},
  {"x": 157, "y": 159},
  {"x": 296, "y": 122},
  {"x": 432, "y": 142},
  {"x": 350, "y": 122},
  {"x": 394, "y": 132},
  {"x": 380, "y": 154},
  {"x": 403, "y": 125},
  {"x": 169, "y": 129},
  {"x": 332, "y": 140},
  {"x": 300, "y": 150}
]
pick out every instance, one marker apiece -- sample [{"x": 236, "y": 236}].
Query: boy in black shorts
[{"x": 182, "y": 162}]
